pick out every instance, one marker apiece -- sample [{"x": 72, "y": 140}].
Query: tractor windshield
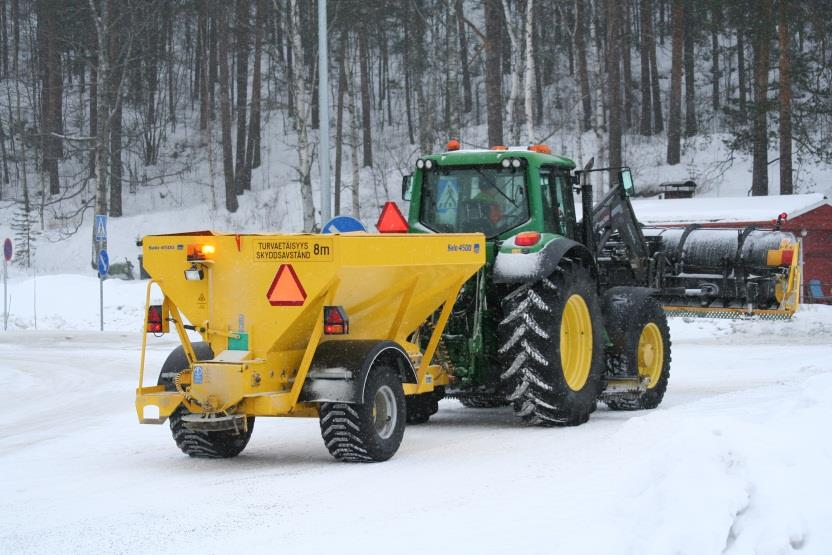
[{"x": 487, "y": 199}]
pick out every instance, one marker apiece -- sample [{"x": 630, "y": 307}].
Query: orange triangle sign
[{"x": 286, "y": 289}]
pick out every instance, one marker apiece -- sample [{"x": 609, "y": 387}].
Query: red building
[{"x": 809, "y": 217}]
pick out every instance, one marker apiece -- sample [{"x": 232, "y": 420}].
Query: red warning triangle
[
  {"x": 391, "y": 219},
  {"x": 286, "y": 289}
]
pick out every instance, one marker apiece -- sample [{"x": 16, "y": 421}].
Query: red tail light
[
  {"x": 336, "y": 321},
  {"x": 788, "y": 257},
  {"x": 154, "y": 319},
  {"x": 527, "y": 238}
]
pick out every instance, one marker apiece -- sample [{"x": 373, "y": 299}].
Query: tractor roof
[{"x": 483, "y": 156}]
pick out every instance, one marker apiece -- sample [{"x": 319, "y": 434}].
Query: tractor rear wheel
[
  {"x": 552, "y": 348},
  {"x": 209, "y": 445},
  {"x": 373, "y": 430},
  {"x": 640, "y": 337}
]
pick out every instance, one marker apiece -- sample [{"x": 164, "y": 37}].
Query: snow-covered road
[{"x": 736, "y": 460}]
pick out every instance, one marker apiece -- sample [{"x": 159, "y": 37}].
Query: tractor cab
[{"x": 498, "y": 192}]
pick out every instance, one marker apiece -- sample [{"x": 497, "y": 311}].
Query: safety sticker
[
  {"x": 295, "y": 250},
  {"x": 197, "y": 375}
]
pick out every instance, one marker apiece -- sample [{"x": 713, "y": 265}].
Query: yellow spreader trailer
[{"x": 327, "y": 326}]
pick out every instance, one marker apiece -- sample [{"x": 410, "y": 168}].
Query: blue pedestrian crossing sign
[
  {"x": 103, "y": 264},
  {"x": 101, "y": 227}
]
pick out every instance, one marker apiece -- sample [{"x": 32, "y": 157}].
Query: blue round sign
[
  {"x": 103, "y": 263},
  {"x": 343, "y": 224},
  {"x": 7, "y": 249}
]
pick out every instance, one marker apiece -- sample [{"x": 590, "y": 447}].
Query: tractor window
[
  {"x": 469, "y": 199},
  {"x": 558, "y": 204},
  {"x": 550, "y": 205},
  {"x": 566, "y": 202}
]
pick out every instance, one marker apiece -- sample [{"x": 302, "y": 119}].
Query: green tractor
[{"x": 538, "y": 328}]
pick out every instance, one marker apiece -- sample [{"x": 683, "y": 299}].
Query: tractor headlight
[
  {"x": 516, "y": 163},
  {"x": 428, "y": 164},
  {"x": 506, "y": 162},
  {"x": 420, "y": 163}
]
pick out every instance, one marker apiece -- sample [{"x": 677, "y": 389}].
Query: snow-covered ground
[{"x": 735, "y": 460}]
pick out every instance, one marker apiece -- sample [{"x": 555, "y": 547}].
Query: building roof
[{"x": 725, "y": 209}]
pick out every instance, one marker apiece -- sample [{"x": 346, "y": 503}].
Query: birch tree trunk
[
  {"x": 528, "y": 79},
  {"x": 516, "y": 64},
  {"x": 102, "y": 23}
]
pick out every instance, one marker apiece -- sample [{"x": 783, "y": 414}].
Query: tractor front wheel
[
  {"x": 551, "y": 341},
  {"x": 373, "y": 430},
  {"x": 640, "y": 345}
]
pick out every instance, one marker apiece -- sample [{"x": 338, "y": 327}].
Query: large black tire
[
  {"x": 545, "y": 388},
  {"x": 373, "y": 430},
  {"x": 636, "y": 324},
  {"x": 208, "y": 445},
  {"x": 424, "y": 405}
]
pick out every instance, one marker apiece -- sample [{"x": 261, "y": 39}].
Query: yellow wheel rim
[
  {"x": 576, "y": 342},
  {"x": 650, "y": 354}
]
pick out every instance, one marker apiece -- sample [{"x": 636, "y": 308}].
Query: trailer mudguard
[
  {"x": 339, "y": 369},
  {"x": 512, "y": 265}
]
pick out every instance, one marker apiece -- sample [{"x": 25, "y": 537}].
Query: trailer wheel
[
  {"x": 373, "y": 430},
  {"x": 209, "y": 445},
  {"x": 640, "y": 337},
  {"x": 551, "y": 345}
]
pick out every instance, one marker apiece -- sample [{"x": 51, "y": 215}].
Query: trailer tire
[
  {"x": 207, "y": 445},
  {"x": 640, "y": 337},
  {"x": 549, "y": 383},
  {"x": 371, "y": 431}
]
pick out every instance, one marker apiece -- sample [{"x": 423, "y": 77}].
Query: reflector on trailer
[
  {"x": 336, "y": 321},
  {"x": 391, "y": 219},
  {"x": 286, "y": 289}
]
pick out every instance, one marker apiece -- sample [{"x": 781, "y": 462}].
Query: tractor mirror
[
  {"x": 625, "y": 179},
  {"x": 406, "y": 187}
]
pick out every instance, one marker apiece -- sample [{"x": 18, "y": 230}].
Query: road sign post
[
  {"x": 103, "y": 268},
  {"x": 7, "y": 255}
]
